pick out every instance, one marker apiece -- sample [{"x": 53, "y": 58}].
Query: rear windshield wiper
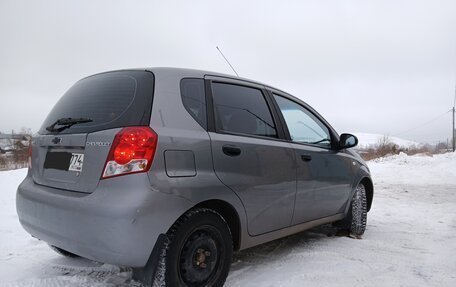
[{"x": 66, "y": 123}]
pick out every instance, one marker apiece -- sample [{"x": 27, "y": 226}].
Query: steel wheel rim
[{"x": 200, "y": 256}]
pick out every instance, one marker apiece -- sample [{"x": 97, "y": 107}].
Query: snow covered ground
[{"x": 410, "y": 240}]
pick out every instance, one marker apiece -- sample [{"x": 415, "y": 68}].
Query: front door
[{"x": 323, "y": 174}]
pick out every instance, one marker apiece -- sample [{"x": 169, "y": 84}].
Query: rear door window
[
  {"x": 242, "y": 110},
  {"x": 110, "y": 100}
]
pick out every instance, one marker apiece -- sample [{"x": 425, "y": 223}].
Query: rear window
[{"x": 110, "y": 100}]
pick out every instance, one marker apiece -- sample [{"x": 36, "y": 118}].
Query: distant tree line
[{"x": 385, "y": 146}]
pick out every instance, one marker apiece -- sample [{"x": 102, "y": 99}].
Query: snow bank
[{"x": 419, "y": 169}]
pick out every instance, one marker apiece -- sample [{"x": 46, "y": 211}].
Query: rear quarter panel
[{"x": 178, "y": 131}]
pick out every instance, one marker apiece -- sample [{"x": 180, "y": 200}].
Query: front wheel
[
  {"x": 200, "y": 250},
  {"x": 355, "y": 221},
  {"x": 359, "y": 212}
]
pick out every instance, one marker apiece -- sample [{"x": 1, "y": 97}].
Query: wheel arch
[
  {"x": 229, "y": 214},
  {"x": 369, "y": 186}
]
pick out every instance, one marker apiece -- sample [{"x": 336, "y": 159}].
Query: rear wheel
[{"x": 199, "y": 251}]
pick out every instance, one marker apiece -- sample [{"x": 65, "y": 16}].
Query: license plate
[
  {"x": 76, "y": 162},
  {"x": 66, "y": 161}
]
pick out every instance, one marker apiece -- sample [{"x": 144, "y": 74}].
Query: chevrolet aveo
[{"x": 173, "y": 169}]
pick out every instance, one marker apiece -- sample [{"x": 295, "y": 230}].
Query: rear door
[
  {"x": 74, "y": 158},
  {"x": 324, "y": 175},
  {"x": 249, "y": 155}
]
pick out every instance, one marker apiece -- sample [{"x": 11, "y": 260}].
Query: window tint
[
  {"x": 303, "y": 126},
  {"x": 242, "y": 110},
  {"x": 110, "y": 100},
  {"x": 193, "y": 97}
]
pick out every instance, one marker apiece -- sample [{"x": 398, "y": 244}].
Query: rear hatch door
[{"x": 73, "y": 158}]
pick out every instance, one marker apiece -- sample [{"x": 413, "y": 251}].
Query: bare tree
[{"x": 386, "y": 146}]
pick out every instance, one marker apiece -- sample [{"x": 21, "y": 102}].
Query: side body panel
[
  {"x": 262, "y": 172},
  {"x": 179, "y": 132},
  {"x": 361, "y": 172},
  {"x": 263, "y": 176},
  {"x": 331, "y": 175}
]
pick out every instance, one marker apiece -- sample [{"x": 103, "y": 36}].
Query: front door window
[{"x": 303, "y": 126}]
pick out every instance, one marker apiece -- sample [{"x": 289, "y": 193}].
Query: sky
[{"x": 385, "y": 67}]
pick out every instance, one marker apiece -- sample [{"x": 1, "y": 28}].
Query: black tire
[
  {"x": 199, "y": 250},
  {"x": 359, "y": 211},
  {"x": 63, "y": 252},
  {"x": 356, "y": 219}
]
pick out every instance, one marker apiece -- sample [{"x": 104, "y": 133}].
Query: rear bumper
[{"x": 116, "y": 224}]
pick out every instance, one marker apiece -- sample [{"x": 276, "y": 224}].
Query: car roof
[
  {"x": 202, "y": 73},
  {"x": 195, "y": 73}
]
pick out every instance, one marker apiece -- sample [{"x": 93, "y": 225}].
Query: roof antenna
[{"x": 227, "y": 60}]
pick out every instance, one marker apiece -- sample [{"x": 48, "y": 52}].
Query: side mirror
[{"x": 347, "y": 141}]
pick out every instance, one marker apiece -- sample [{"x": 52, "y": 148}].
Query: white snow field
[{"x": 410, "y": 240}]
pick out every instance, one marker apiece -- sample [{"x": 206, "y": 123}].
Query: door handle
[
  {"x": 231, "y": 150},
  {"x": 306, "y": 157}
]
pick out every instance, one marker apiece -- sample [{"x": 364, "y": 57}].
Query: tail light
[
  {"x": 29, "y": 158},
  {"x": 132, "y": 151}
]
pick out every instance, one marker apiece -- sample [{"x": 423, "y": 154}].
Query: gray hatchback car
[{"x": 174, "y": 169}]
